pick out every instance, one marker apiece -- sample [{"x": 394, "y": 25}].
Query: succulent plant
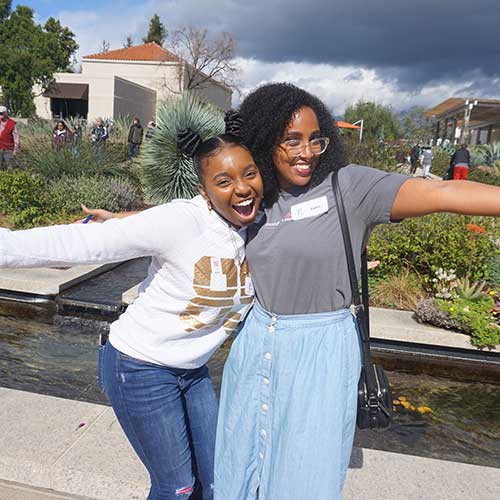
[
  {"x": 470, "y": 291},
  {"x": 167, "y": 174},
  {"x": 428, "y": 311}
]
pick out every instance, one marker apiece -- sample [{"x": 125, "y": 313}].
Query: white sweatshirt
[{"x": 198, "y": 285}]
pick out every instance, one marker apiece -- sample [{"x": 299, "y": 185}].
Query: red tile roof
[
  {"x": 342, "y": 124},
  {"x": 147, "y": 52}
]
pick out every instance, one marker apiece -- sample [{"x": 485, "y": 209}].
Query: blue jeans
[
  {"x": 133, "y": 150},
  {"x": 169, "y": 416}
]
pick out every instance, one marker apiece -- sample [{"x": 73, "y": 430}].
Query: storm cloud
[
  {"x": 413, "y": 42},
  {"x": 402, "y": 53}
]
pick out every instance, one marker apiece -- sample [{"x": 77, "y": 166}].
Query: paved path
[
  {"x": 16, "y": 491},
  {"x": 44, "y": 445}
]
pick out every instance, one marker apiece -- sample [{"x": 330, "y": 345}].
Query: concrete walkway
[
  {"x": 16, "y": 491},
  {"x": 78, "y": 448}
]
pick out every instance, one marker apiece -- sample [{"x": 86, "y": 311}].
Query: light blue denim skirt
[{"x": 288, "y": 407}]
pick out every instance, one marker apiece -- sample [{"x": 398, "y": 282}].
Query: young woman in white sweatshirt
[{"x": 198, "y": 287}]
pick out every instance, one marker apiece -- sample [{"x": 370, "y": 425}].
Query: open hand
[{"x": 98, "y": 215}]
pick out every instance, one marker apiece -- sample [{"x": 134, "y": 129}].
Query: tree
[
  {"x": 5, "y": 6},
  {"x": 129, "y": 42},
  {"x": 416, "y": 125},
  {"x": 30, "y": 54},
  {"x": 104, "y": 47},
  {"x": 205, "y": 57},
  {"x": 60, "y": 43},
  {"x": 157, "y": 32},
  {"x": 380, "y": 122}
]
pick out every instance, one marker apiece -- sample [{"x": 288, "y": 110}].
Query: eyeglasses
[{"x": 295, "y": 147}]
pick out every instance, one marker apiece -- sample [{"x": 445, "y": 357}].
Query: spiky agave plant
[
  {"x": 477, "y": 156},
  {"x": 167, "y": 174},
  {"x": 470, "y": 290},
  {"x": 491, "y": 153}
]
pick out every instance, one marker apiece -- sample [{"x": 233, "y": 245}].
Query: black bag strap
[{"x": 362, "y": 309}]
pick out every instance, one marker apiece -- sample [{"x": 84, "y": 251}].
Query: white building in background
[{"x": 125, "y": 82}]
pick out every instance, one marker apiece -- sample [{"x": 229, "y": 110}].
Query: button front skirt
[{"x": 288, "y": 407}]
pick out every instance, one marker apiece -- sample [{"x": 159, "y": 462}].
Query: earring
[{"x": 209, "y": 205}]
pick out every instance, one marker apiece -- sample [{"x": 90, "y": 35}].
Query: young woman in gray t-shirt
[{"x": 288, "y": 402}]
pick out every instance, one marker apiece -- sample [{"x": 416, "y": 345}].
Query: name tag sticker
[
  {"x": 310, "y": 208},
  {"x": 249, "y": 286},
  {"x": 218, "y": 282}
]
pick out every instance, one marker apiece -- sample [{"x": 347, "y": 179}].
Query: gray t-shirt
[{"x": 296, "y": 251}]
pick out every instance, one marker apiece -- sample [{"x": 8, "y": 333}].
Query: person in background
[
  {"x": 150, "y": 130},
  {"x": 400, "y": 157},
  {"x": 99, "y": 135},
  {"x": 460, "y": 163},
  {"x": 76, "y": 140},
  {"x": 414, "y": 156},
  {"x": 135, "y": 134},
  {"x": 9, "y": 139},
  {"x": 427, "y": 157},
  {"x": 61, "y": 136}
]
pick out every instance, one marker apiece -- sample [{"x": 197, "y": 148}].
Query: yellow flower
[
  {"x": 452, "y": 309},
  {"x": 492, "y": 293},
  {"x": 405, "y": 404},
  {"x": 396, "y": 402},
  {"x": 424, "y": 409},
  {"x": 402, "y": 398}
]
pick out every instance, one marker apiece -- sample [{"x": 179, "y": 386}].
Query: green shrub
[
  {"x": 476, "y": 317},
  {"x": 28, "y": 201},
  {"x": 426, "y": 244},
  {"x": 370, "y": 154},
  {"x": 37, "y": 156},
  {"x": 441, "y": 161},
  {"x": 110, "y": 193},
  {"x": 494, "y": 271},
  {"x": 484, "y": 176},
  {"x": 20, "y": 190},
  {"x": 34, "y": 217}
]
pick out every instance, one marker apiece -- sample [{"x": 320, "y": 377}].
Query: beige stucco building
[
  {"x": 125, "y": 82},
  {"x": 467, "y": 120}
]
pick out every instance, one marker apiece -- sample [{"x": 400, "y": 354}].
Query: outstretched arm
[
  {"x": 151, "y": 232},
  {"x": 418, "y": 197}
]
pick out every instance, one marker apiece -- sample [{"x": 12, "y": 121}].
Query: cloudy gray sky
[{"x": 399, "y": 52}]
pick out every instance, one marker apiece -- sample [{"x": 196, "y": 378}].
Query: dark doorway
[{"x": 69, "y": 108}]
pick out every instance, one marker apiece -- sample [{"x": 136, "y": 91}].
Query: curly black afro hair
[{"x": 266, "y": 113}]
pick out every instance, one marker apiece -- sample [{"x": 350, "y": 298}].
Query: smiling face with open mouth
[
  {"x": 232, "y": 185},
  {"x": 296, "y": 169}
]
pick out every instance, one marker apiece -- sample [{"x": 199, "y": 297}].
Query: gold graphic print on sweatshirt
[{"x": 224, "y": 305}]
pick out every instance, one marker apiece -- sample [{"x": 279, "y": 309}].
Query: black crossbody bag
[{"x": 374, "y": 394}]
